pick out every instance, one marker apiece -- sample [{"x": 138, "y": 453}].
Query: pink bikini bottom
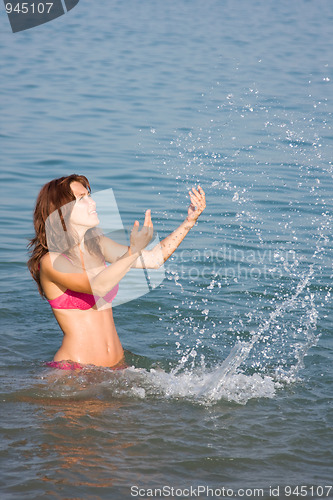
[
  {"x": 73, "y": 365},
  {"x": 64, "y": 365}
]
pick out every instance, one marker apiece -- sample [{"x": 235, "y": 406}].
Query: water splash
[
  {"x": 200, "y": 386},
  {"x": 268, "y": 166},
  {"x": 242, "y": 350},
  {"x": 206, "y": 386}
]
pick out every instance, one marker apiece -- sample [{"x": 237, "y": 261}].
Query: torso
[{"x": 90, "y": 335}]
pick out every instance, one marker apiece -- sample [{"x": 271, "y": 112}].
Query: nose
[{"x": 92, "y": 203}]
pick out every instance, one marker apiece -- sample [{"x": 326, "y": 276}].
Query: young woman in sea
[{"x": 68, "y": 262}]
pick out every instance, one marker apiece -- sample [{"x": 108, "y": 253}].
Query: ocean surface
[{"x": 229, "y": 387}]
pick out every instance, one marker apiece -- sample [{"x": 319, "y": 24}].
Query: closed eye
[{"x": 82, "y": 196}]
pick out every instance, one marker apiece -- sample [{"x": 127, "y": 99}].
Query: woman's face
[{"x": 84, "y": 213}]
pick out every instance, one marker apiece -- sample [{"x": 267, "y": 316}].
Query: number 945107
[{"x": 29, "y": 8}]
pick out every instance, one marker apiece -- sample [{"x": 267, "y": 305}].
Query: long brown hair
[{"x": 55, "y": 197}]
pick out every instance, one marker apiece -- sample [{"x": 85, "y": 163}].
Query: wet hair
[{"x": 51, "y": 219}]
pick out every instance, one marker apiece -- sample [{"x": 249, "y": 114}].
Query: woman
[{"x": 68, "y": 262}]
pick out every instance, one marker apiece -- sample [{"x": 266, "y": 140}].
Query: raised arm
[
  {"x": 154, "y": 258},
  {"x": 58, "y": 270},
  {"x": 114, "y": 251}
]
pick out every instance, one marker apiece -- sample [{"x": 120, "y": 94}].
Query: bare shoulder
[
  {"x": 53, "y": 261},
  {"x": 57, "y": 270},
  {"x": 45, "y": 263}
]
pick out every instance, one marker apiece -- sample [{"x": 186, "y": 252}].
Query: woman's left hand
[{"x": 198, "y": 203}]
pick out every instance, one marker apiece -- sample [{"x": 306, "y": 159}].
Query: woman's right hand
[{"x": 140, "y": 239}]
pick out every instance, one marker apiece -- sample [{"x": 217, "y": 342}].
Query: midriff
[{"x": 90, "y": 337}]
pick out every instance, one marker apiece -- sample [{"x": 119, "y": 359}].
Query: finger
[
  {"x": 199, "y": 193},
  {"x": 195, "y": 198},
  {"x": 198, "y": 196},
  {"x": 135, "y": 228},
  {"x": 197, "y": 203},
  {"x": 195, "y": 191},
  {"x": 147, "y": 221},
  {"x": 150, "y": 221},
  {"x": 194, "y": 194}
]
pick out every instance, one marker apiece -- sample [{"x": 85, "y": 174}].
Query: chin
[{"x": 95, "y": 221}]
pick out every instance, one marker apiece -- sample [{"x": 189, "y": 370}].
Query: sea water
[{"x": 229, "y": 385}]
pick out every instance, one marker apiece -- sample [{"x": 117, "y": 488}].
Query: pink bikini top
[{"x": 80, "y": 300}]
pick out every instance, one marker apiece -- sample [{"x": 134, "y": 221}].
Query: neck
[{"x": 81, "y": 245}]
